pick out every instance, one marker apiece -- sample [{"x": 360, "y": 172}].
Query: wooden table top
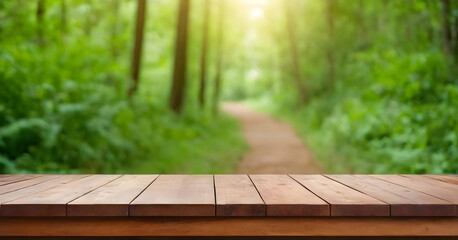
[{"x": 228, "y": 195}]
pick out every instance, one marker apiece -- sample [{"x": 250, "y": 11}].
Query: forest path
[{"x": 275, "y": 146}]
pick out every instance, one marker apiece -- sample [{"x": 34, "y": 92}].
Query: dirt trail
[{"x": 275, "y": 147}]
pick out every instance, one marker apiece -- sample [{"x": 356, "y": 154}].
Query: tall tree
[
  {"x": 89, "y": 13},
  {"x": 179, "y": 70},
  {"x": 40, "y": 16},
  {"x": 114, "y": 27},
  {"x": 63, "y": 17},
  {"x": 219, "y": 57},
  {"x": 294, "y": 51},
  {"x": 137, "y": 53},
  {"x": 447, "y": 27},
  {"x": 331, "y": 48},
  {"x": 203, "y": 59}
]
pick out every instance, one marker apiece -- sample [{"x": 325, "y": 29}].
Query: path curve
[{"x": 275, "y": 147}]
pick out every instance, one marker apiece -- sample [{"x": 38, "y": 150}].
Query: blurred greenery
[
  {"x": 393, "y": 105},
  {"x": 64, "y": 108},
  {"x": 380, "y": 80}
]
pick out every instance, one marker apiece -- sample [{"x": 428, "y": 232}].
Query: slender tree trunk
[
  {"x": 40, "y": 24},
  {"x": 63, "y": 17},
  {"x": 179, "y": 70},
  {"x": 137, "y": 54},
  {"x": 203, "y": 60},
  {"x": 294, "y": 52},
  {"x": 114, "y": 28},
  {"x": 331, "y": 50},
  {"x": 362, "y": 24},
  {"x": 88, "y": 23},
  {"x": 219, "y": 56},
  {"x": 455, "y": 32},
  {"x": 446, "y": 28}
]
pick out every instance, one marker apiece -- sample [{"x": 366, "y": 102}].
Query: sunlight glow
[
  {"x": 253, "y": 74},
  {"x": 256, "y": 13}
]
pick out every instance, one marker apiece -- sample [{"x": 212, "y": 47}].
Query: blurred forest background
[{"x": 134, "y": 86}]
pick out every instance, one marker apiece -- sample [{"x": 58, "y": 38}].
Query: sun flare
[{"x": 256, "y": 13}]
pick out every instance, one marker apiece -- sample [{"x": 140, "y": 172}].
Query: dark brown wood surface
[
  {"x": 229, "y": 226},
  {"x": 228, "y": 195}
]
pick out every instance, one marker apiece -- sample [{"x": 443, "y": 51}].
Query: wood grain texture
[
  {"x": 285, "y": 197},
  {"x": 344, "y": 200},
  {"x": 177, "y": 195},
  {"x": 229, "y": 226},
  {"x": 16, "y": 178},
  {"x": 445, "y": 178},
  {"x": 237, "y": 196},
  {"x": 403, "y": 201},
  {"x": 112, "y": 199},
  {"x": 7, "y": 197},
  {"x": 432, "y": 181},
  {"x": 26, "y": 183},
  {"x": 431, "y": 189},
  {"x": 53, "y": 202}
]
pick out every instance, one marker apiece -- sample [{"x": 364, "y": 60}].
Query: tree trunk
[
  {"x": 446, "y": 28},
  {"x": 88, "y": 23},
  {"x": 179, "y": 70},
  {"x": 63, "y": 17},
  {"x": 137, "y": 54},
  {"x": 203, "y": 60},
  {"x": 114, "y": 28},
  {"x": 219, "y": 56},
  {"x": 294, "y": 52},
  {"x": 40, "y": 15},
  {"x": 455, "y": 33},
  {"x": 330, "y": 53}
]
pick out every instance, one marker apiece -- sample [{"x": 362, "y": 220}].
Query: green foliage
[
  {"x": 63, "y": 104},
  {"x": 393, "y": 106}
]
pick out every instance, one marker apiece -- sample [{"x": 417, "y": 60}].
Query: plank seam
[
  {"x": 330, "y": 208},
  {"x": 326, "y": 175},
  {"x": 214, "y": 194},
  {"x": 1, "y": 213},
  {"x": 414, "y": 189},
  {"x": 255, "y": 187},
  {"x": 56, "y": 176},
  {"x": 66, "y": 204},
  {"x": 128, "y": 209},
  {"x": 21, "y": 179}
]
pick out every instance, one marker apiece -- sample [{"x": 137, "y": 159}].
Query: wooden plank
[
  {"x": 431, "y": 189},
  {"x": 432, "y": 181},
  {"x": 403, "y": 201},
  {"x": 229, "y": 226},
  {"x": 111, "y": 199},
  {"x": 38, "y": 188},
  {"x": 344, "y": 200},
  {"x": 445, "y": 178},
  {"x": 237, "y": 196},
  {"x": 177, "y": 195},
  {"x": 26, "y": 183},
  {"x": 16, "y": 178},
  {"x": 53, "y": 202},
  {"x": 285, "y": 197}
]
